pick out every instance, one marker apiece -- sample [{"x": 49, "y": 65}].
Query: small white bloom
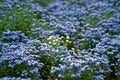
[
  {"x": 61, "y": 37},
  {"x": 73, "y": 49},
  {"x": 54, "y": 43},
  {"x": 68, "y": 37},
  {"x": 49, "y": 42},
  {"x": 57, "y": 40},
  {"x": 62, "y": 41},
  {"x": 51, "y": 37},
  {"x": 67, "y": 41},
  {"x": 54, "y": 40}
]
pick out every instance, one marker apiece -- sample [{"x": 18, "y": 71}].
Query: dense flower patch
[{"x": 59, "y": 40}]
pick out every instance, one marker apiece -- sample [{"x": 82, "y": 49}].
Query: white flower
[{"x": 68, "y": 37}]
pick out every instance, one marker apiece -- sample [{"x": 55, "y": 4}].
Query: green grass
[
  {"x": 93, "y": 21},
  {"x": 43, "y": 3},
  {"x": 18, "y": 20}
]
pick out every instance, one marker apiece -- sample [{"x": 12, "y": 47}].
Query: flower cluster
[
  {"x": 21, "y": 56},
  {"x": 9, "y": 78},
  {"x": 62, "y": 39}
]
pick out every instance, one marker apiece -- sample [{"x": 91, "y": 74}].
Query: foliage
[{"x": 59, "y": 40}]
